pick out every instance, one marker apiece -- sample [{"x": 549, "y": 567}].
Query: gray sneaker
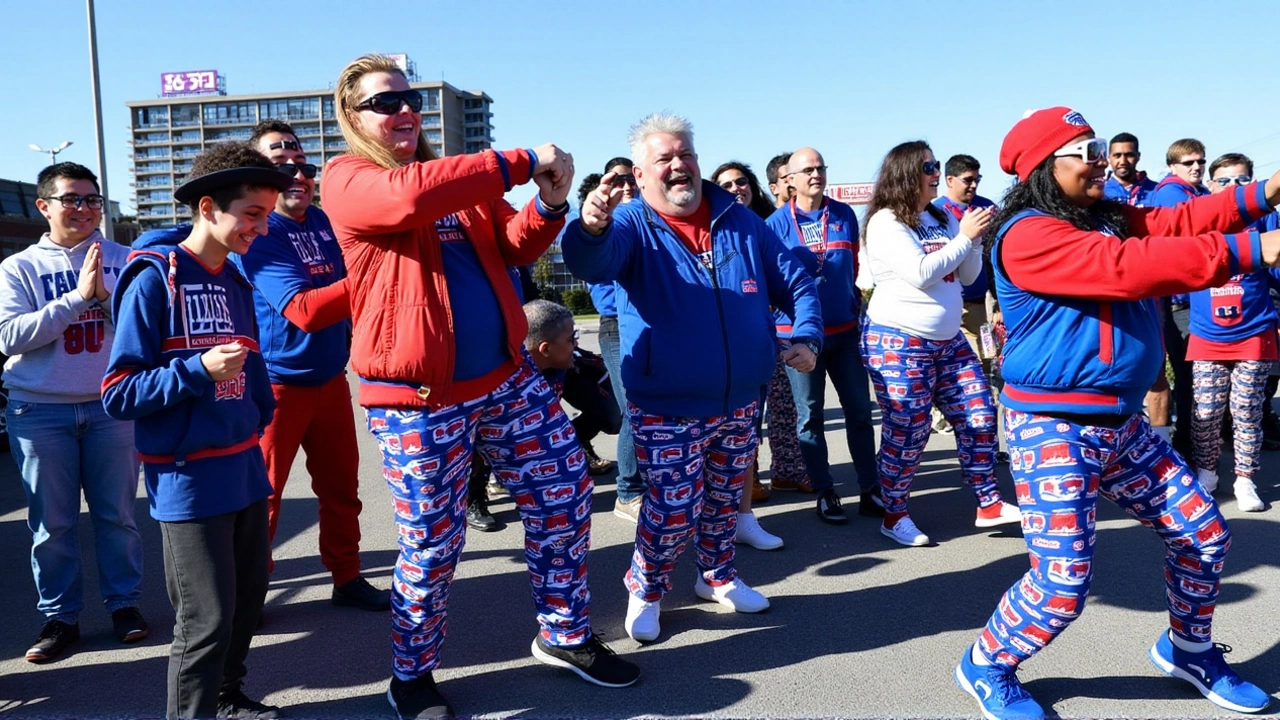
[{"x": 628, "y": 509}]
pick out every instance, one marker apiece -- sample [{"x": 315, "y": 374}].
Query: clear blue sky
[{"x": 850, "y": 78}]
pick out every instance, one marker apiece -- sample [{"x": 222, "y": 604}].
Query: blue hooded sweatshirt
[
  {"x": 697, "y": 339},
  {"x": 197, "y": 438}
]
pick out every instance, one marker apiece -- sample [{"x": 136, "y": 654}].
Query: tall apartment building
[{"x": 168, "y": 132}]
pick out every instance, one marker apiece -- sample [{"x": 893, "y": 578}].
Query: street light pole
[
  {"x": 108, "y": 227},
  {"x": 53, "y": 152}
]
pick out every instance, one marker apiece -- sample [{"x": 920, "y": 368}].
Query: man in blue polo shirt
[{"x": 303, "y": 310}]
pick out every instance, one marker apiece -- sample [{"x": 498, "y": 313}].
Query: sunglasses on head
[
  {"x": 1233, "y": 179},
  {"x": 1091, "y": 151},
  {"x": 285, "y": 145},
  {"x": 291, "y": 169},
  {"x": 389, "y": 102},
  {"x": 1189, "y": 163},
  {"x": 931, "y": 167},
  {"x": 93, "y": 202},
  {"x": 623, "y": 180},
  {"x": 736, "y": 182}
]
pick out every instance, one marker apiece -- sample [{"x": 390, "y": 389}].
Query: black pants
[
  {"x": 1177, "y": 327},
  {"x": 215, "y": 569},
  {"x": 586, "y": 388}
]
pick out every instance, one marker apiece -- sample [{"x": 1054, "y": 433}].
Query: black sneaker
[
  {"x": 55, "y": 637},
  {"x": 235, "y": 704},
  {"x": 870, "y": 505},
  {"x": 829, "y": 509},
  {"x": 129, "y": 625},
  {"x": 592, "y": 661},
  {"x": 359, "y": 593},
  {"x": 479, "y": 517},
  {"x": 418, "y": 698}
]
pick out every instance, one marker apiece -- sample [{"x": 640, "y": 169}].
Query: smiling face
[
  {"x": 735, "y": 182},
  {"x": 1189, "y": 167},
  {"x": 963, "y": 187},
  {"x": 294, "y": 201},
  {"x": 70, "y": 225},
  {"x": 244, "y": 220},
  {"x": 1081, "y": 182},
  {"x": 398, "y": 132},
  {"x": 929, "y": 181},
  {"x": 1124, "y": 159},
  {"x": 1227, "y": 171},
  {"x": 669, "y": 178},
  {"x": 628, "y": 185},
  {"x": 807, "y": 173}
]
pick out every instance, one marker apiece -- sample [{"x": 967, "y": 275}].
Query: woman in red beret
[{"x": 1076, "y": 276}]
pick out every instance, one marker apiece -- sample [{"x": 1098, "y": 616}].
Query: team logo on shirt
[
  {"x": 309, "y": 252},
  {"x": 749, "y": 286},
  {"x": 207, "y": 314},
  {"x": 449, "y": 229},
  {"x": 230, "y": 389}
]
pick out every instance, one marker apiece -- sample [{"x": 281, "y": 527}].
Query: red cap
[{"x": 1037, "y": 136}]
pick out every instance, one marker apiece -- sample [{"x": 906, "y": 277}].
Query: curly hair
[
  {"x": 589, "y": 183},
  {"x": 760, "y": 204},
  {"x": 897, "y": 187},
  {"x": 227, "y": 156}
]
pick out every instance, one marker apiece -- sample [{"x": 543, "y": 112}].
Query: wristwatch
[{"x": 812, "y": 346}]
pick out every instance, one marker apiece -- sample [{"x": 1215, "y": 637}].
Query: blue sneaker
[
  {"x": 1209, "y": 673},
  {"x": 997, "y": 690}
]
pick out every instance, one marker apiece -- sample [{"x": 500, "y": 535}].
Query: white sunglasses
[{"x": 1091, "y": 151}]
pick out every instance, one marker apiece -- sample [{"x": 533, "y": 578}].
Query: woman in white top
[{"x": 918, "y": 256}]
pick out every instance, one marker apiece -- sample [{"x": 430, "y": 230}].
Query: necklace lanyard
[{"x": 821, "y": 252}]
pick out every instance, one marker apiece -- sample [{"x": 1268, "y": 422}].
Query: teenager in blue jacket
[
  {"x": 696, "y": 272},
  {"x": 1077, "y": 277}
]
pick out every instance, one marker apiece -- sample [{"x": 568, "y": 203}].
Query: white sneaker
[
  {"x": 750, "y": 532},
  {"x": 905, "y": 532},
  {"x": 642, "y": 618},
  {"x": 1247, "y": 496},
  {"x": 734, "y": 594},
  {"x": 1208, "y": 480},
  {"x": 1002, "y": 514}
]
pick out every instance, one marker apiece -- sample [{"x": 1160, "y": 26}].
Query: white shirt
[{"x": 918, "y": 273}]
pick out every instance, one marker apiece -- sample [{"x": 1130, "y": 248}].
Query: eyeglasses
[
  {"x": 1091, "y": 151},
  {"x": 1237, "y": 179},
  {"x": 93, "y": 202},
  {"x": 307, "y": 169},
  {"x": 1189, "y": 163},
  {"x": 389, "y": 102},
  {"x": 966, "y": 180},
  {"x": 815, "y": 170},
  {"x": 931, "y": 167},
  {"x": 623, "y": 180},
  {"x": 738, "y": 182}
]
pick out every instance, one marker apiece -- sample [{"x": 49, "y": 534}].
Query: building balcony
[
  {"x": 154, "y": 124},
  {"x": 229, "y": 121},
  {"x": 151, "y": 171},
  {"x": 186, "y": 123}
]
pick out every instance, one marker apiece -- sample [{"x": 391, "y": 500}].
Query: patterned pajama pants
[
  {"x": 694, "y": 470},
  {"x": 426, "y": 460},
  {"x": 784, "y": 444},
  {"x": 1243, "y": 384},
  {"x": 1060, "y": 468},
  {"x": 908, "y": 372}
]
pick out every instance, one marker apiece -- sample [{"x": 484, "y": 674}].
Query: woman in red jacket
[{"x": 438, "y": 344}]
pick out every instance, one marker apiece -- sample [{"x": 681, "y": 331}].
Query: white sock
[
  {"x": 1189, "y": 646},
  {"x": 978, "y": 657}
]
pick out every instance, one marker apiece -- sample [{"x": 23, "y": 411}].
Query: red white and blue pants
[
  {"x": 1060, "y": 468},
  {"x": 1243, "y": 385},
  {"x": 909, "y": 373},
  {"x": 426, "y": 460},
  {"x": 694, "y": 470}
]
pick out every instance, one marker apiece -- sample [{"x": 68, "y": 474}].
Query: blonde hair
[{"x": 346, "y": 95}]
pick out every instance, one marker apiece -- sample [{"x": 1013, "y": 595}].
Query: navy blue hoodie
[
  {"x": 197, "y": 439},
  {"x": 697, "y": 338}
]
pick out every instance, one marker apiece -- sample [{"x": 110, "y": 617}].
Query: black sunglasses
[
  {"x": 623, "y": 180},
  {"x": 389, "y": 102},
  {"x": 1189, "y": 163},
  {"x": 931, "y": 167},
  {"x": 738, "y": 181},
  {"x": 308, "y": 170}
]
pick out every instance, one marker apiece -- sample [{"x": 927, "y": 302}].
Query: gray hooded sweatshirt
[{"x": 58, "y": 343}]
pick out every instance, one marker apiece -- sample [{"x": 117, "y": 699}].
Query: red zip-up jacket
[{"x": 402, "y": 336}]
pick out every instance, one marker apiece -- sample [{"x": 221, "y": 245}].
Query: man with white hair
[{"x": 696, "y": 273}]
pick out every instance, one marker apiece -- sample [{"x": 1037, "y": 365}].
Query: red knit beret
[{"x": 1037, "y": 136}]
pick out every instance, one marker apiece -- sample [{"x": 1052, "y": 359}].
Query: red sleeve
[
  {"x": 1225, "y": 212},
  {"x": 523, "y": 236},
  {"x": 365, "y": 199},
  {"x": 1045, "y": 255},
  {"x": 317, "y": 309}
]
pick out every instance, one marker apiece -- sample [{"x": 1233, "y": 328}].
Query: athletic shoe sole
[
  {"x": 922, "y": 541},
  {"x": 708, "y": 595},
  {"x": 619, "y": 514},
  {"x": 963, "y": 683},
  {"x": 771, "y": 546},
  {"x": 1172, "y": 670},
  {"x": 996, "y": 522},
  {"x": 547, "y": 659}
]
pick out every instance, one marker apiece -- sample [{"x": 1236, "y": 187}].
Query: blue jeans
[
  {"x": 629, "y": 483},
  {"x": 60, "y": 450},
  {"x": 841, "y": 359}
]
